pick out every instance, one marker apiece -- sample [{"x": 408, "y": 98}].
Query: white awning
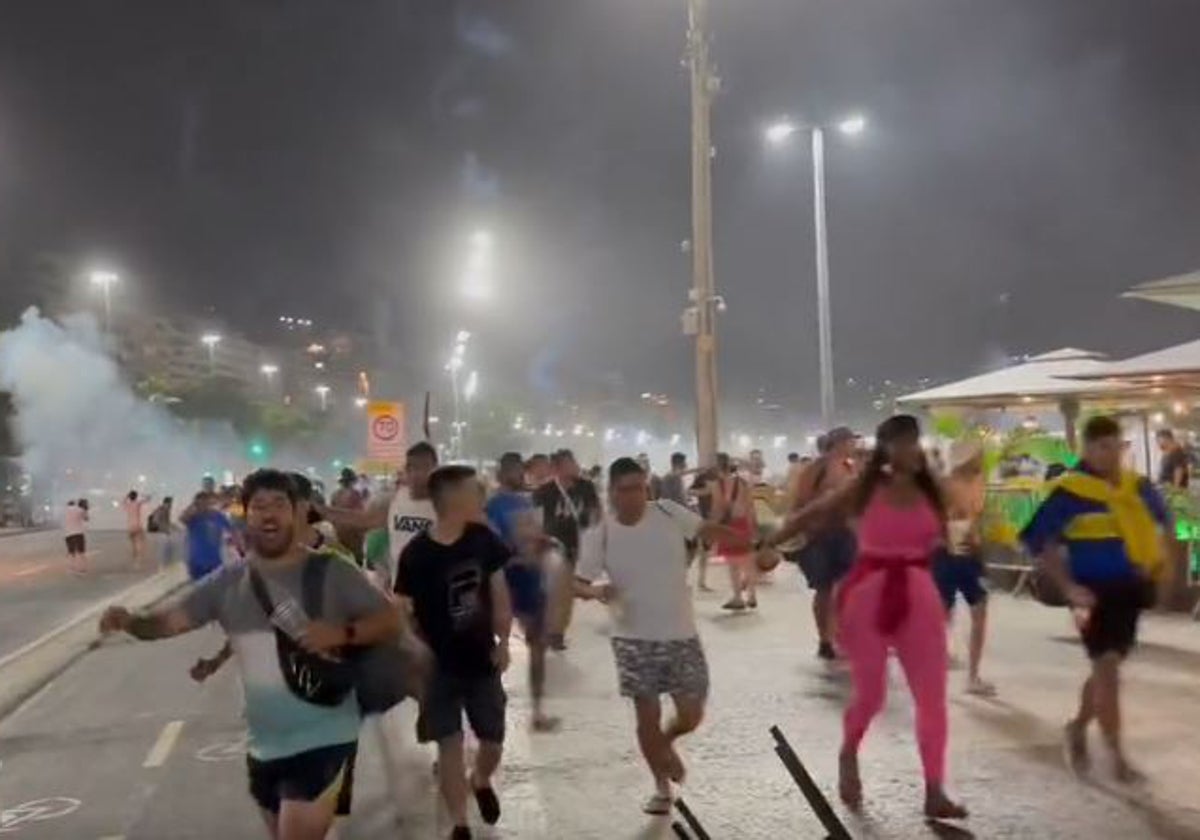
[
  {"x": 1182, "y": 359},
  {"x": 1182, "y": 290},
  {"x": 1038, "y": 380}
]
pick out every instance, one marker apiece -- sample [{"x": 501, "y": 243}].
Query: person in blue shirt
[
  {"x": 207, "y": 527},
  {"x": 1099, "y": 536},
  {"x": 515, "y": 519}
]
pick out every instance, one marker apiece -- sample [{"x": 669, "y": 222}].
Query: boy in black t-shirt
[{"x": 453, "y": 577}]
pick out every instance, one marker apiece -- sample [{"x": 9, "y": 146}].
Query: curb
[{"x": 28, "y": 669}]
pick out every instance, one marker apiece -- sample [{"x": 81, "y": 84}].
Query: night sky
[{"x": 1025, "y": 162}]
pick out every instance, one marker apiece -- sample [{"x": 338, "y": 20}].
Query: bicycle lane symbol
[
  {"x": 223, "y": 751},
  {"x": 37, "y": 810}
]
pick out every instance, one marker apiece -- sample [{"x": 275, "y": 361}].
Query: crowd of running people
[{"x": 338, "y": 612}]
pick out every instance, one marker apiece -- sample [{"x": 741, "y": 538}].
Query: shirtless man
[
  {"x": 959, "y": 567},
  {"x": 827, "y": 555}
]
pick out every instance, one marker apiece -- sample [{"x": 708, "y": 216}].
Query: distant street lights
[
  {"x": 105, "y": 280},
  {"x": 778, "y": 134},
  {"x": 453, "y": 367},
  {"x": 268, "y": 371},
  {"x": 322, "y": 392},
  {"x": 211, "y": 340}
]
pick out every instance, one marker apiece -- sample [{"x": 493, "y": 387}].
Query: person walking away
[
  {"x": 207, "y": 528},
  {"x": 453, "y": 578},
  {"x": 889, "y": 602},
  {"x": 733, "y": 506},
  {"x": 135, "y": 526},
  {"x": 569, "y": 505},
  {"x": 1174, "y": 466},
  {"x": 958, "y": 566},
  {"x": 75, "y": 519},
  {"x": 702, "y": 490},
  {"x": 826, "y": 555},
  {"x": 302, "y": 716},
  {"x": 511, "y": 514},
  {"x": 640, "y": 547},
  {"x": 1112, "y": 524}
]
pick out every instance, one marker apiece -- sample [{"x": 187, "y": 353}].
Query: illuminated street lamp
[
  {"x": 453, "y": 366},
  {"x": 480, "y": 267},
  {"x": 105, "y": 280},
  {"x": 323, "y": 393},
  {"x": 360, "y": 402},
  {"x": 779, "y": 134},
  {"x": 211, "y": 340},
  {"x": 269, "y": 370}
]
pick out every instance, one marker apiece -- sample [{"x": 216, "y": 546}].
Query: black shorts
[
  {"x": 76, "y": 544},
  {"x": 305, "y": 777},
  {"x": 827, "y": 557},
  {"x": 1112, "y": 625},
  {"x": 481, "y": 697}
]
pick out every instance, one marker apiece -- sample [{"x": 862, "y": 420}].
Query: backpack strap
[
  {"x": 261, "y": 594},
  {"x": 312, "y": 584}
]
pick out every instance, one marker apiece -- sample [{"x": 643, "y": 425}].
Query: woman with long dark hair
[{"x": 889, "y": 602}]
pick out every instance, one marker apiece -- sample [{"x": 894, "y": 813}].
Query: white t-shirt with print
[
  {"x": 647, "y": 565},
  {"x": 407, "y": 517}
]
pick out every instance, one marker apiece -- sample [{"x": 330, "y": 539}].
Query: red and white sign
[{"x": 386, "y": 432}]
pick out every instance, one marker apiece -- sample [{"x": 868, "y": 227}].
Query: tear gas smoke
[{"x": 80, "y": 426}]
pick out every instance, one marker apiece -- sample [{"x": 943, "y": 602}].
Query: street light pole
[
  {"x": 824, "y": 324},
  {"x": 105, "y": 279},
  {"x": 703, "y": 85},
  {"x": 778, "y": 134},
  {"x": 210, "y": 340}
]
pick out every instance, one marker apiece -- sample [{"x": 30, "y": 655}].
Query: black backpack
[{"x": 381, "y": 675}]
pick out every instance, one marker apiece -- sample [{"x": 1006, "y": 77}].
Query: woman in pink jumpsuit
[{"x": 889, "y": 602}]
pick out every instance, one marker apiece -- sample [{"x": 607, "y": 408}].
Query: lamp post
[
  {"x": 268, "y": 370},
  {"x": 323, "y": 394},
  {"x": 211, "y": 340},
  {"x": 453, "y": 367},
  {"x": 105, "y": 280},
  {"x": 777, "y": 135}
]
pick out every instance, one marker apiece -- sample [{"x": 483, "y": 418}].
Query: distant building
[{"x": 170, "y": 351}]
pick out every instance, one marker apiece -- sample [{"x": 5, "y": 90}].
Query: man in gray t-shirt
[{"x": 300, "y": 752}]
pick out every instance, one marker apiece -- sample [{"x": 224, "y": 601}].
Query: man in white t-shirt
[
  {"x": 409, "y": 513},
  {"x": 641, "y": 549}
]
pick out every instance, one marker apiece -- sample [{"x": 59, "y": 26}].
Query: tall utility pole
[
  {"x": 704, "y": 85},
  {"x": 824, "y": 320}
]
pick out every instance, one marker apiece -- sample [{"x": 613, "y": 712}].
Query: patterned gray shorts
[{"x": 647, "y": 668}]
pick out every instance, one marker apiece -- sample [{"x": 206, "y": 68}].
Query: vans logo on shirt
[{"x": 411, "y": 524}]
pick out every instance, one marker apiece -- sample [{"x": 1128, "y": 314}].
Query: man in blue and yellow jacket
[{"x": 1109, "y": 524}]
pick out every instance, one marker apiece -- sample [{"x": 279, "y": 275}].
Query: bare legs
[
  {"x": 657, "y": 743},
  {"x": 1100, "y": 700}
]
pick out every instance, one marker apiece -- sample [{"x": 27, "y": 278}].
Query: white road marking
[
  {"x": 31, "y": 570},
  {"x": 223, "y": 751},
  {"x": 158, "y": 754},
  {"x": 36, "y": 811}
]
